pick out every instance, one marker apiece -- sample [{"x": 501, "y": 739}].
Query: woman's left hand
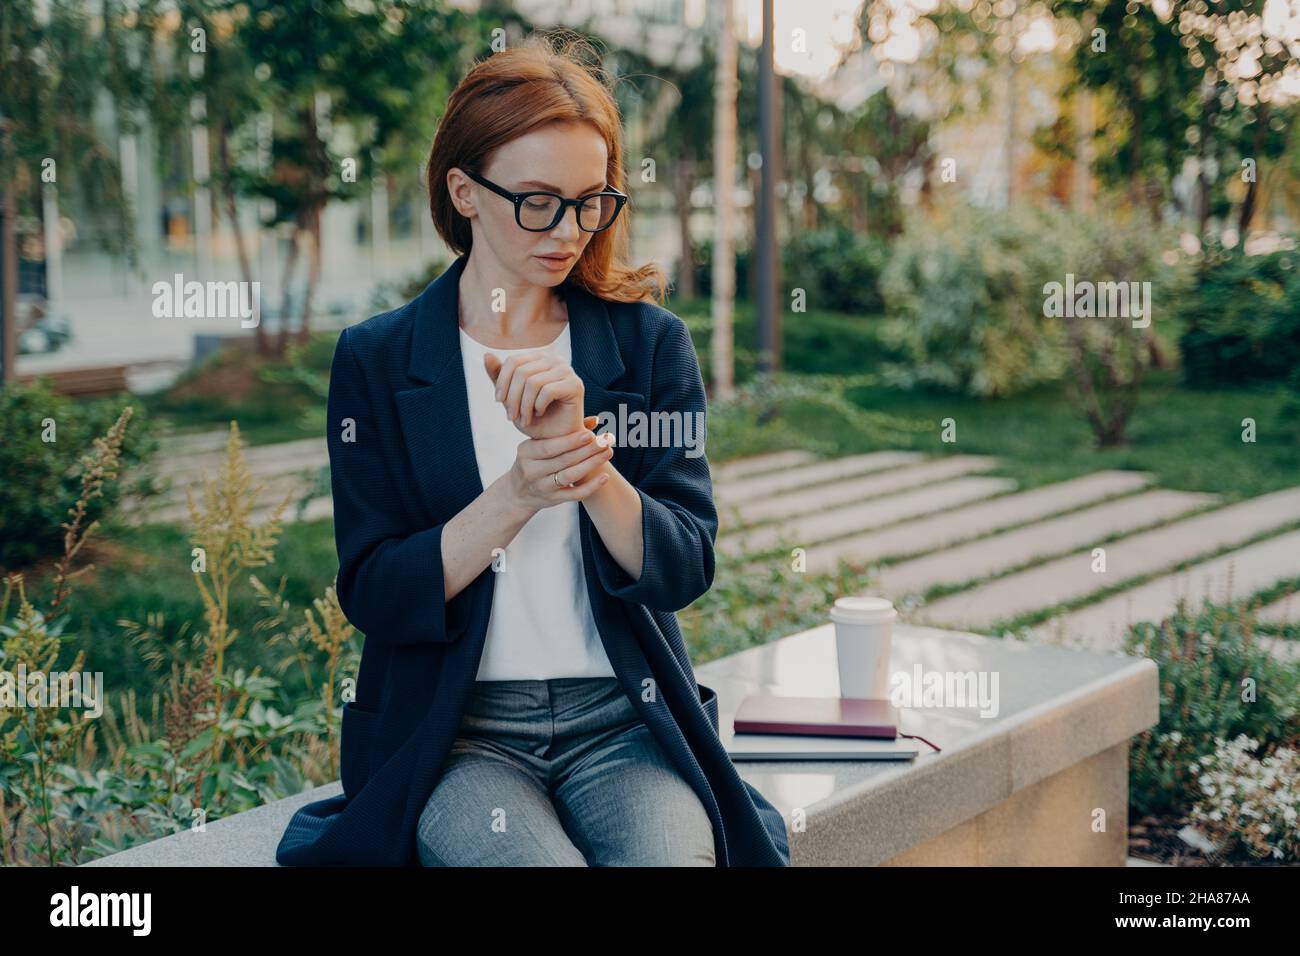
[{"x": 542, "y": 394}]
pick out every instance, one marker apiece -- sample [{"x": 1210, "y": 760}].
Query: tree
[
  {"x": 54, "y": 60},
  {"x": 1215, "y": 83},
  {"x": 380, "y": 69}
]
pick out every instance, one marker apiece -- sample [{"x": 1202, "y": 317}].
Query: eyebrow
[{"x": 556, "y": 189}]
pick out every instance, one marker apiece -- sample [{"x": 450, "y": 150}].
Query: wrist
[{"x": 512, "y": 498}]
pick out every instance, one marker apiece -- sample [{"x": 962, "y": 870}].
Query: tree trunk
[
  {"x": 1252, "y": 187},
  {"x": 724, "y": 171},
  {"x": 232, "y": 213},
  {"x": 682, "y": 176},
  {"x": 313, "y": 271},
  {"x": 9, "y": 280},
  {"x": 1203, "y": 158},
  {"x": 317, "y": 167},
  {"x": 291, "y": 262}
]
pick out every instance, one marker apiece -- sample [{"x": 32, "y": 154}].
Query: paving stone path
[{"x": 915, "y": 525}]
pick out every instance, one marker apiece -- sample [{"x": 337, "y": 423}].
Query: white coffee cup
[{"x": 864, "y": 628}]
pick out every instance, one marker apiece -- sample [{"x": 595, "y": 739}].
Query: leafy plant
[
  {"x": 963, "y": 293},
  {"x": 1242, "y": 319},
  {"x": 215, "y": 741},
  {"x": 1250, "y": 803},
  {"x": 41, "y": 469},
  {"x": 1216, "y": 683},
  {"x": 35, "y": 738},
  {"x": 838, "y": 268}
]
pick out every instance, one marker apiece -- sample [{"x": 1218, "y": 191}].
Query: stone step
[
  {"x": 1280, "y": 648},
  {"x": 760, "y": 464},
  {"x": 174, "y": 509},
  {"x": 194, "y": 443},
  {"x": 961, "y": 524},
  {"x": 261, "y": 460},
  {"x": 1071, "y": 578},
  {"x": 1234, "y": 575},
  {"x": 763, "y": 486},
  {"x": 1285, "y": 610},
  {"x": 986, "y": 557},
  {"x": 806, "y": 531},
  {"x": 287, "y": 463},
  {"x": 851, "y": 490}
]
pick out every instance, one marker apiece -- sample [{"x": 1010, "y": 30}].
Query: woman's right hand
[{"x": 578, "y": 457}]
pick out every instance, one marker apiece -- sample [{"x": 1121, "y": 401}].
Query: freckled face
[{"x": 569, "y": 159}]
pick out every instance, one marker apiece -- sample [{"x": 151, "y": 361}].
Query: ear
[{"x": 458, "y": 189}]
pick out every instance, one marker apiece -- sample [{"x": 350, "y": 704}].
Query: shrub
[
  {"x": 1110, "y": 355},
  {"x": 966, "y": 306},
  {"x": 1250, "y": 803},
  {"x": 963, "y": 296},
  {"x": 214, "y": 740},
  {"x": 1216, "y": 684},
  {"x": 40, "y": 478},
  {"x": 704, "y": 270},
  {"x": 838, "y": 269},
  {"x": 1242, "y": 319}
]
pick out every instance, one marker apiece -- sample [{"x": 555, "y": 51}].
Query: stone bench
[{"x": 1023, "y": 787}]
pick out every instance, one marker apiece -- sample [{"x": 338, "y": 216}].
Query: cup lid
[{"x": 863, "y": 610}]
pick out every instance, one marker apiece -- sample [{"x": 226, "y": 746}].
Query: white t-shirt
[{"x": 541, "y": 625}]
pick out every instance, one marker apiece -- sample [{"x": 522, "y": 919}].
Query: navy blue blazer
[{"x": 409, "y": 469}]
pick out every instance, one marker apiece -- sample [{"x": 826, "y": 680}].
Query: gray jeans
[{"x": 560, "y": 772}]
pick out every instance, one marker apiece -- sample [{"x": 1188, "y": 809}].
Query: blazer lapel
[{"x": 434, "y": 412}]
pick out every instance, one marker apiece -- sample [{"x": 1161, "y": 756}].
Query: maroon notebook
[{"x": 817, "y": 716}]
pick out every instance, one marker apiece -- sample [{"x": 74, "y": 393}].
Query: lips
[{"x": 558, "y": 257}]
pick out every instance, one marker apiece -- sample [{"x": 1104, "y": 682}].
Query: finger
[
  {"x": 583, "y": 489},
  {"x": 518, "y": 380},
  {"x": 582, "y": 469},
  {"x": 547, "y": 386},
  {"x": 591, "y": 450},
  {"x": 528, "y": 403},
  {"x": 566, "y": 385},
  {"x": 547, "y": 448},
  {"x": 506, "y": 375}
]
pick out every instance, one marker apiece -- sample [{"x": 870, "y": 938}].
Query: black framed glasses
[{"x": 542, "y": 211}]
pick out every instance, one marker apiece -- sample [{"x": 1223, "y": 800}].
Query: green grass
[
  {"x": 234, "y": 385},
  {"x": 146, "y": 570}
]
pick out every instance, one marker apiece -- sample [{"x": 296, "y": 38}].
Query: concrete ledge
[
  {"x": 1058, "y": 708},
  {"x": 1018, "y": 788},
  {"x": 245, "y": 839}
]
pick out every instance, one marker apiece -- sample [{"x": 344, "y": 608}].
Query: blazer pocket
[
  {"x": 354, "y": 752},
  {"x": 709, "y": 698}
]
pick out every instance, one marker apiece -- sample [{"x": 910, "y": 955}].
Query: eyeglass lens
[{"x": 539, "y": 212}]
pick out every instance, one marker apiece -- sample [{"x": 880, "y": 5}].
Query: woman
[{"x": 524, "y": 695}]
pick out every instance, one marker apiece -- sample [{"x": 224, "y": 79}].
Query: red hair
[{"x": 509, "y": 94}]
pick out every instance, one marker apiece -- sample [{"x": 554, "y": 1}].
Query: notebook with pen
[{"x": 768, "y": 727}]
